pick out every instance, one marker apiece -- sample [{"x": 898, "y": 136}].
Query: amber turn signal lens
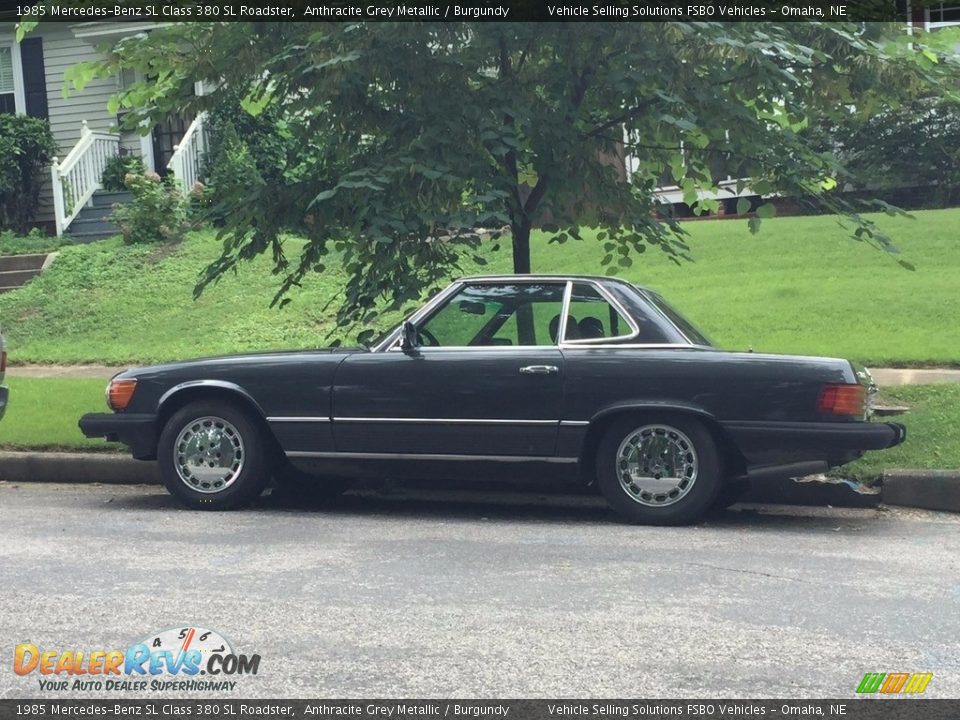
[
  {"x": 119, "y": 393},
  {"x": 847, "y": 400}
]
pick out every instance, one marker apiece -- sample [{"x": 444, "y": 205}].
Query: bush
[
  {"x": 26, "y": 148},
  {"x": 117, "y": 168},
  {"x": 158, "y": 213}
]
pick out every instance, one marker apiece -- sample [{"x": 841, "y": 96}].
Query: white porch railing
[
  {"x": 186, "y": 163},
  {"x": 78, "y": 176}
]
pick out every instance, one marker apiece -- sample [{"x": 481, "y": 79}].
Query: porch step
[
  {"x": 103, "y": 198},
  {"x": 82, "y": 238},
  {"x": 17, "y": 278},
  {"x": 17, "y": 270},
  {"x": 84, "y": 225},
  {"x": 93, "y": 212},
  {"x": 93, "y": 221},
  {"x": 21, "y": 262}
]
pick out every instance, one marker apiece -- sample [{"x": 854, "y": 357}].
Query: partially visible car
[
  {"x": 569, "y": 377},
  {"x": 4, "y": 390}
]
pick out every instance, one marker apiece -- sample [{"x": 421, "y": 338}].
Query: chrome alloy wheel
[
  {"x": 208, "y": 454},
  {"x": 657, "y": 465}
]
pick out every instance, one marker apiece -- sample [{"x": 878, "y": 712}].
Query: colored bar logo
[{"x": 894, "y": 683}]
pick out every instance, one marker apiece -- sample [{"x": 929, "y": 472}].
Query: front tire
[
  {"x": 659, "y": 471},
  {"x": 213, "y": 456}
]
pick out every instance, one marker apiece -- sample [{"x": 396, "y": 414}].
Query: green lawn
[
  {"x": 933, "y": 433},
  {"x": 34, "y": 242},
  {"x": 43, "y": 414},
  {"x": 800, "y": 286}
]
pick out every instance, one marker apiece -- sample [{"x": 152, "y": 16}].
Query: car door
[{"x": 486, "y": 379}]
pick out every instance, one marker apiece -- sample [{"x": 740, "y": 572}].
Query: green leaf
[
  {"x": 743, "y": 206},
  {"x": 767, "y": 210}
]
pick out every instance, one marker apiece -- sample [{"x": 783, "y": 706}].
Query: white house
[{"x": 32, "y": 83}]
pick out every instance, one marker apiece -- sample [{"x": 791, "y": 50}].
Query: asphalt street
[{"x": 443, "y": 594}]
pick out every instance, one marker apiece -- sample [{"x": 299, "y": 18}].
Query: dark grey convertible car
[{"x": 572, "y": 378}]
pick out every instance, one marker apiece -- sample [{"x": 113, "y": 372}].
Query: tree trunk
[{"x": 521, "y": 247}]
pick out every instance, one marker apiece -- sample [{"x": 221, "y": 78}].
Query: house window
[
  {"x": 944, "y": 14},
  {"x": 8, "y": 98}
]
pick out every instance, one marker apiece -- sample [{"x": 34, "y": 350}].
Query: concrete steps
[
  {"x": 93, "y": 221},
  {"x": 17, "y": 270}
]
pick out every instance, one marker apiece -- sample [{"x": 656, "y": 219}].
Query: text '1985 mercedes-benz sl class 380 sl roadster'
[{"x": 571, "y": 378}]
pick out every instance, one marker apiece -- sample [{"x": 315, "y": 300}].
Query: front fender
[{"x": 208, "y": 384}]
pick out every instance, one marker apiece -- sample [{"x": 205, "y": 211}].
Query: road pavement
[{"x": 413, "y": 593}]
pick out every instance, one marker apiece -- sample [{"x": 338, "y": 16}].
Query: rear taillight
[
  {"x": 119, "y": 393},
  {"x": 846, "y": 400}
]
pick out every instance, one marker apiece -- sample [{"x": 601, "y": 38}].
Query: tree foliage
[
  {"x": 394, "y": 143},
  {"x": 913, "y": 146}
]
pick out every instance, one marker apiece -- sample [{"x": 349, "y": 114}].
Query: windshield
[{"x": 685, "y": 326}]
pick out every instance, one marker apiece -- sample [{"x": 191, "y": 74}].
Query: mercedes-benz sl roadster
[{"x": 569, "y": 378}]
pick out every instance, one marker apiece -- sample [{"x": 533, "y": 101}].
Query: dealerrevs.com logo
[
  {"x": 894, "y": 683},
  {"x": 169, "y": 660}
]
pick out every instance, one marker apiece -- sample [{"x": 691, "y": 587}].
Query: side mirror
[{"x": 408, "y": 336}]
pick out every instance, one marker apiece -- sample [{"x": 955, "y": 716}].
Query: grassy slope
[
  {"x": 800, "y": 285},
  {"x": 43, "y": 413},
  {"x": 36, "y": 242}
]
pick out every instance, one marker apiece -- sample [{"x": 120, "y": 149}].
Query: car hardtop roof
[{"x": 602, "y": 279}]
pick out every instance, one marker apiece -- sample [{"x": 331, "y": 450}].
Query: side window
[
  {"x": 592, "y": 317},
  {"x": 496, "y": 315},
  {"x": 7, "y": 95}
]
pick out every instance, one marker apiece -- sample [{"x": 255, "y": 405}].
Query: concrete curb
[
  {"x": 76, "y": 468},
  {"x": 928, "y": 489}
]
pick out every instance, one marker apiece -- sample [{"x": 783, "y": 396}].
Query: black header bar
[
  {"x": 873, "y": 708},
  {"x": 445, "y": 11}
]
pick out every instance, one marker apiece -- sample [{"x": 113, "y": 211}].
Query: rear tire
[
  {"x": 731, "y": 492},
  {"x": 659, "y": 470},
  {"x": 213, "y": 456}
]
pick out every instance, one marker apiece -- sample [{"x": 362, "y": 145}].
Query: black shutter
[{"x": 34, "y": 77}]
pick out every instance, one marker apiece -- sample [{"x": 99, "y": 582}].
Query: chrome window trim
[
  {"x": 617, "y": 305},
  {"x": 564, "y": 314},
  {"x": 428, "y": 456},
  {"x": 637, "y": 346},
  {"x": 293, "y": 419},
  {"x": 472, "y": 348},
  {"x": 427, "y": 310},
  {"x": 394, "y": 345},
  {"x": 445, "y": 421},
  {"x": 562, "y": 342}
]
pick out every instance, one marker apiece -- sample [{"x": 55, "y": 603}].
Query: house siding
[{"x": 61, "y": 50}]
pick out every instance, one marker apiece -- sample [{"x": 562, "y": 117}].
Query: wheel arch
[
  {"x": 181, "y": 395},
  {"x": 733, "y": 461}
]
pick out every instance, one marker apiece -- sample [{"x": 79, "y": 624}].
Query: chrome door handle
[{"x": 540, "y": 370}]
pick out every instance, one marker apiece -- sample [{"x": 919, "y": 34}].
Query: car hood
[{"x": 236, "y": 360}]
